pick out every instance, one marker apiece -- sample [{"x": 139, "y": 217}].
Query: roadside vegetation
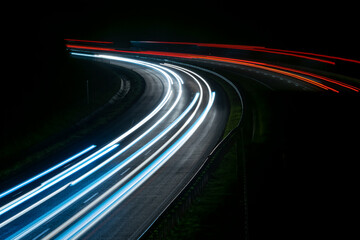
[{"x": 212, "y": 214}]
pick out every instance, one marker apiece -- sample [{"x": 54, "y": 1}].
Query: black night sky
[
  {"x": 33, "y": 33},
  {"x": 329, "y": 28},
  {"x": 35, "y": 56}
]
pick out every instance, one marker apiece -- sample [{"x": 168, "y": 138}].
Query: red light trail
[
  {"x": 262, "y": 49},
  {"x": 268, "y": 67}
]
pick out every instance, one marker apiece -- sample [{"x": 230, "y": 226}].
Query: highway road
[
  {"x": 176, "y": 123},
  {"x": 117, "y": 188}
]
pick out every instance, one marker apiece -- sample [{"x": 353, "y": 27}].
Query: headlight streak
[
  {"x": 7, "y": 221},
  {"x": 109, "y": 204},
  {"x": 117, "y": 169},
  {"x": 143, "y": 63},
  {"x": 160, "y": 69},
  {"x": 117, "y": 196},
  {"x": 156, "y": 110},
  {"x": 140, "y": 177},
  {"x": 145, "y": 147},
  {"x": 154, "y": 140},
  {"x": 38, "y": 190},
  {"x": 51, "y": 182},
  {"x": 103, "y": 205},
  {"x": 26, "y": 230},
  {"x": 93, "y": 157},
  {"x": 45, "y": 219},
  {"x": 46, "y": 171},
  {"x": 122, "y": 150},
  {"x": 80, "y": 167},
  {"x": 61, "y": 207},
  {"x": 96, "y": 215}
]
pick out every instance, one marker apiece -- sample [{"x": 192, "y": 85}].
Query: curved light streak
[
  {"x": 110, "y": 146},
  {"x": 51, "y": 182},
  {"x": 145, "y": 147},
  {"x": 136, "y": 181},
  {"x": 100, "y": 152},
  {"x": 213, "y": 58},
  {"x": 356, "y": 89},
  {"x": 46, "y": 171},
  {"x": 110, "y": 203},
  {"x": 257, "y": 48},
  {"x": 35, "y": 225},
  {"x": 65, "y": 204}
]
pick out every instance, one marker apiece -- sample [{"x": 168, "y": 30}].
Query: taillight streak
[{"x": 260, "y": 65}]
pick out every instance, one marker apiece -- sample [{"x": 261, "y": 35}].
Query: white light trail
[
  {"x": 102, "y": 210},
  {"x": 49, "y": 215},
  {"x": 110, "y": 203},
  {"x": 159, "y": 107},
  {"x": 47, "y": 171},
  {"x": 93, "y": 157},
  {"x": 51, "y": 182},
  {"x": 105, "y": 202}
]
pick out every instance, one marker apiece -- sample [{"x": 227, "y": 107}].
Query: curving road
[{"x": 118, "y": 188}]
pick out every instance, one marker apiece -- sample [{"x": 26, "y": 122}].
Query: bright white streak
[
  {"x": 179, "y": 79},
  {"x": 98, "y": 213},
  {"x": 51, "y": 182},
  {"x": 35, "y": 224},
  {"x": 37, "y": 190},
  {"x": 156, "y": 110},
  {"x": 92, "y": 218},
  {"x": 71, "y": 170},
  {"x": 44, "y": 219},
  {"x": 46, "y": 171},
  {"x": 32, "y": 206},
  {"x": 122, "y": 181}
]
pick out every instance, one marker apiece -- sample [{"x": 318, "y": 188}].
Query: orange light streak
[
  {"x": 274, "y": 70},
  {"x": 262, "y": 49},
  {"x": 316, "y": 54},
  {"x": 263, "y": 66},
  {"x": 308, "y": 74},
  {"x": 247, "y": 48}
]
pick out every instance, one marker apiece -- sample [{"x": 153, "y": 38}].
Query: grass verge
[{"x": 212, "y": 215}]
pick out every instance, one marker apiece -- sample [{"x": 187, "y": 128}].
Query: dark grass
[
  {"x": 212, "y": 215},
  {"x": 301, "y": 170}
]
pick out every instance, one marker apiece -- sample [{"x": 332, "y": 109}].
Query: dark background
[
  {"x": 32, "y": 33},
  {"x": 33, "y": 50},
  {"x": 322, "y": 27},
  {"x": 36, "y": 71}
]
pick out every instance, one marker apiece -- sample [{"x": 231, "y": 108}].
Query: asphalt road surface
[{"x": 119, "y": 187}]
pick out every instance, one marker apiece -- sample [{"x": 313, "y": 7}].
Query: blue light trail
[{"x": 46, "y": 172}]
